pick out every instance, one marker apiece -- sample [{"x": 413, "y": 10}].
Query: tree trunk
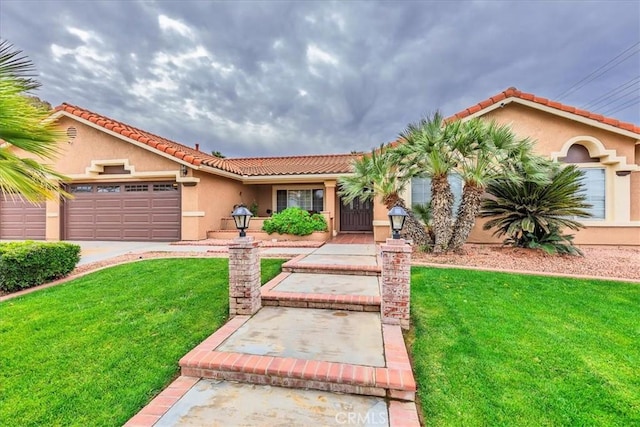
[
  {"x": 466, "y": 216},
  {"x": 413, "y": 229},
  {"x": 441, "y": 212}
]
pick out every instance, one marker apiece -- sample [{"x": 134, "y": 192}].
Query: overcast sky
[{"x": 255, "y": 78}]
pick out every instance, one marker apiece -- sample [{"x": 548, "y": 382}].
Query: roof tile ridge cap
[{"x": 291, "y": 157}]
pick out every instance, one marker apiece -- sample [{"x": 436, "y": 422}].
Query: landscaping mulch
[{"x": 611, "y": 262}]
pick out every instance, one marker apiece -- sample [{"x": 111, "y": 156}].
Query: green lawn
[
  {"x": 504, "y": 349},
  {"x": 95, "y": 350}
]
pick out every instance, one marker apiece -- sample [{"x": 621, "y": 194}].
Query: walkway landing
[{"x": 317, "y": 353}]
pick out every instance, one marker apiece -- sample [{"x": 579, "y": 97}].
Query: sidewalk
[{"x": 316, "y": 354}]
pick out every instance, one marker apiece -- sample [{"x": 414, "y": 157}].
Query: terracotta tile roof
[
  {"x": 254, "y": 166},
  {"x": 512, "y": 92},
  {"x": 294, "y": 165},
  {"x": 172, "y": 148}
]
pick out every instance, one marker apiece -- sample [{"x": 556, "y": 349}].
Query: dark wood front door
[{"x": 356, "y": 216}]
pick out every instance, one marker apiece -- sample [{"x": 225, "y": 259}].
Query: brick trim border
[
  {"x": 395, "y": 380},
  {"x": 151, "y": 414}
]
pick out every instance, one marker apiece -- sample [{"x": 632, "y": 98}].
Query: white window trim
[{"x": 275, "y": 188}]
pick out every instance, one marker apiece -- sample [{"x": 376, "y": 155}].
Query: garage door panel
[
  {"x": 125, "y": 214},
  {"x": 136, "y": 204},
  {"x": 109, "y": 204},
  {"x": 165, "y": 203},
  {"x": 22, "y": 220},
  {"x": 136, "y": 218}
]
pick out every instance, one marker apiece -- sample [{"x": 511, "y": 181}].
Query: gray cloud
[{"x": 272, "y": 78}]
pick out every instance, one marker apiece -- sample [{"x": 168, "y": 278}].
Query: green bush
[
  {"x": 295, "y": 221},
  {"x": 27, "y": 264}
]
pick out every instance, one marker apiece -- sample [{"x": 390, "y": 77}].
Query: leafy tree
[
  {"x": 218, "y": 154},
  {"x": 531, "y": 213},
  {"x": 377, "y": 175},
  {"x": 25, "y": 127}
]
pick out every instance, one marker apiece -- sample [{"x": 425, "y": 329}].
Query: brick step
[
  {"x": 271, "y": 296},
  {"x": 394, "y": 380},
  {"x": 298, "y": 265},
  {"x": 298, "y": 373},
  {"x": 355, "y": 270}
]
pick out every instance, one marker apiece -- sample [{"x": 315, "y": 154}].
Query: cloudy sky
[{"x": 254, "y": 78}]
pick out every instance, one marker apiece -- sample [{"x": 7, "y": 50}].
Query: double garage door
[{"x": 134, "y": 211}]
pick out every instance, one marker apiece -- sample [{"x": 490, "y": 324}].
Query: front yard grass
[
  {"x": 508, "y": 349},
  {"x": 95, "y": 350}
]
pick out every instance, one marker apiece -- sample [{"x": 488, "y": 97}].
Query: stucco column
[
  {"x": 244, "y": 277},
  {"x": 330, "y": 204},
  {"x": 396, "y": 282},
  {"x": 52, "y": 225}
]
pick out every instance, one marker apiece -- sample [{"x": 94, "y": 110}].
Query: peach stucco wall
[
  {"x": 215, "y": 197},
  {"x": 552, "y": 133}
]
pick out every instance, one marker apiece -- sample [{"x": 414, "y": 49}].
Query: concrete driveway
[{"x": 93, "y": 251}]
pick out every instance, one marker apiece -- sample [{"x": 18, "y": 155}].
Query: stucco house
[{"x": 129, "y": 184}]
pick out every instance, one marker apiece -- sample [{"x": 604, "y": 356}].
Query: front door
[{"x": 356, "y": 216}]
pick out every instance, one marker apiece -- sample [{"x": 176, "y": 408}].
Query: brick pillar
[
  {"x": 396, "y": 282},
  {"x": 244, "y": 277}
]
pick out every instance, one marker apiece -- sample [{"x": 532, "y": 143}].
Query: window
[
  {"x": 108, "y": 188},
  {"x": 421, "y": 190},
  {"x": 136, "y": 188},
  {"x": 310, "y": 200},
  {"x": 593, "y": 186},
  {"x": 165, "y": 187},
  {"x": 81, "y": 188}
]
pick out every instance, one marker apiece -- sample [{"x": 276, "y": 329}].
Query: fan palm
[
  {"x": 531, "y": 213},
  {"x": 486, "y": 151},
  {"x": 25, "y": 127},
  {"x": 377, "y": 175},
  {"x": 425, "y": 150}
]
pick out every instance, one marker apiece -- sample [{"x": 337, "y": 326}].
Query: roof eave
[{"x": 292, "y": 178}]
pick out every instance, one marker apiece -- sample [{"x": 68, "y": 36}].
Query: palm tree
[
  {"x": 377, "y": 175},
  {"x": 25, "y": 127},
  {"x": 532, "y": 213},
  {"x": 485, "y": 151},
  {"x": 425, "y": 150}
]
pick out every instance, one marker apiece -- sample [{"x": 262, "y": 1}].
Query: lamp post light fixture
[
  {"x": 241, "y": 216},
  {"x": 397, "y": 216}
]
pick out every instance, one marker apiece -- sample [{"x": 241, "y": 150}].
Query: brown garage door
[
  {"x": 143, "y": 211},
  {"x": 21, "y": 220}
]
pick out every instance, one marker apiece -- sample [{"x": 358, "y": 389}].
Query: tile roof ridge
[
  {"x": 291, "y": 157},
  {"x": 513, "y": 92}
]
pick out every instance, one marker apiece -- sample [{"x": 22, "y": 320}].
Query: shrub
[
  {"x": 295, "y": 221},
  {"x": 531, "y": 214},
  {"x": 27, "y": 264}
]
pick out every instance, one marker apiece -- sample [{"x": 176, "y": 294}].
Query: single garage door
[
  {"x": 139, "y": 211},
  {"x": 21, "y": 220}
]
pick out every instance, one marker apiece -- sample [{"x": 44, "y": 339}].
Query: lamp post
[
  {"x": 397, "y": 216},
  {"x": 241, "y": 216}
]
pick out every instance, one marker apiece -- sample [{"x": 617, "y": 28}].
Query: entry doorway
[{"x": 356, "y": 215}]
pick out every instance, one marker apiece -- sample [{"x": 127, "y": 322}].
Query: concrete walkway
[{"x": 316, "y": 354}]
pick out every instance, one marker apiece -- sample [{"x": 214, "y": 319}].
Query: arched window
[{"x": 593, "y": 183}]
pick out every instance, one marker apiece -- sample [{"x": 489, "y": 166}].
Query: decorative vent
[{"x": 72, "y": 133}]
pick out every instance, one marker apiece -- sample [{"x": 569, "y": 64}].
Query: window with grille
[
  {"x": 310, "y": 200},
  {"x": 136, "y": 188},
  {"x": 164, "y": 187}
]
